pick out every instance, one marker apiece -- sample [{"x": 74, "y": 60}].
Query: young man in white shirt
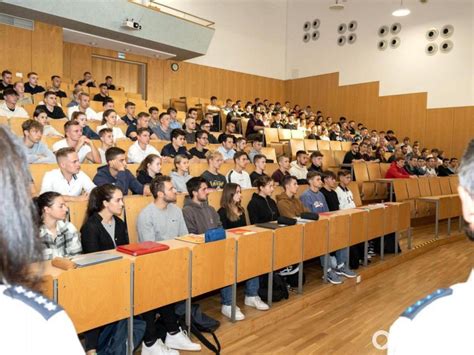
[
  {"x": 139, "y": 150},
  {"x": 238, "y": 175},
  {"x": 107, "y": 141},
  {"x": 84, "y": 103},
  {"x": 9, "y": 108},
  {"x": 298, "y": 167},
  {"x": 344, "y": 194},
  {"x": 36, "y": 151},
  {"x": 227, "y": 148},
  {"x": 68, "y": 180},
  {"x": 107, "y": 104},
  {"x": 82, "y": 144}
]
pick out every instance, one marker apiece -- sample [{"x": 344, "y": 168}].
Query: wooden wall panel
[
  {"x": 127, "y": 74},
  {"x": 463, "y": 129},
  {"x": 47, "y": 49},
  {"x": 15, "y": 46},
  {"x": 439, "y": 129},
  {"x": 76, "y": 60}
]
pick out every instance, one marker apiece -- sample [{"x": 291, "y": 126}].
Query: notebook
[
  {"x": 93, "y": 259},
  {"x": 142, "y": 248},
  {"x": 240, "y": 231}
]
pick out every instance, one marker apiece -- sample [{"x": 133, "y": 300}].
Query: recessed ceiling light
[{"x": 401, "y": 11}]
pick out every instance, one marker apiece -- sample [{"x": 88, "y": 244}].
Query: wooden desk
[
  {"x": 315, "y": 238},
  {"x": 442, "y": 207},
  {"x": 288, "y": 246},
  {"x": 339, "y": 231},
  {"x": 96, "y": 295}
]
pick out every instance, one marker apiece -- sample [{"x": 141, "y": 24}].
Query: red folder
[{"x": 142, "y": 248}]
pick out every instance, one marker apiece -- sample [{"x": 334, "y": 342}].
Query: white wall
[
  {"x": 448, "y": 78},
  {"x": 250, "y": 35}
]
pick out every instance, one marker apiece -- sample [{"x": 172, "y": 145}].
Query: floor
[{"x": 344, "y": 322}]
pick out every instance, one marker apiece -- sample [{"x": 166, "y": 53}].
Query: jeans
[
  {"x": 251, "y": 290},
  {"x": 342, "y": 257}
]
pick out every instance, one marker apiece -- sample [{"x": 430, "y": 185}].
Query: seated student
[
  {"x": 316, "y": 158},
  {"x": 154, "y": 117},
  {"x": 74, "y": 98},
  {"x": 36, "y": 151},
  {"x": 353, "y": 155},
  {"x": 229, "y": 131},
  {"x": 177, "y": 145},
  {"x": 238, "y": 175},
  {"x": 260, "y": 163},
  {"x": 142, "y": 147},
  {"x": 453, "y": 165},
  {"x": 240, "y": 144},
  {"x": 262, "y": 208},
  {"x": 83, "y": 106},
  {"x": 75, "y": 139},
  {"x": 287, "y": 202},
  {"x": 108, "y": 83},
  {"x": 282, "y": 171},
  {"x": 106, "y": 142},
  {"x": 443, "y": 170},
  {"x": 198, "y": 215},
  {"x": 232, "y": 215},
  {"x": 226, "y": 148},
  {"x": 163, "y": 129},
  {"x": 411, "y": 166},
  {"x": 10, "y": 108},
  {"x": 23, "y": 100},
  {"x": 205, "y": 126},
  {"x": 276, "y": 118},
  {"x": 190, "y": 128},
  {"x": 214, "y": 110},
  {"x": 257, "y": 145},
  {"x": 129, "y": 117},
  {"x": 32, "y": 87},
  {"x": 109, "y": 120},
  {"x": 342, "y": 256},
  {"x": 87, "y": 80},
  {"x": 211, "y": 175},
  {"x": 81, "y": 118},
  {"x": 143, "y": 121},
  {"x": 200, "y": 151},
  {"x": 180, "y": 174},
  {"x": 255, "y": 126},
  {"x": 116, "y": 173},
  {"x": 174, "y": 123},
  {"x": 397, "y": 171},
  {"x": 422, "y": 165},
  {"x": 6, "y": 82},
  {"x": 51, "y": 107},
  {"x": 148, "y": 169},
  {"x": 48, "y": 130},
  {"x": 68, "y": 179},
  {"x": 365, "y": 152},
  {"x": 108, "y": 104},
  {"x": 298, "y": 167},
  {"x": 103, "y": 93},
  {"x": 56, "y": 86},
  {"x": 59, "y": 237}
]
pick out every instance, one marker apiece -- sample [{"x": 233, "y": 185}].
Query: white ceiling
[{"x": 101, "y": 42}]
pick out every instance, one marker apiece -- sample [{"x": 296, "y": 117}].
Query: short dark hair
[
  {"x": 28, "y": 125},
  {"x": 5, "y": 72},
  {"x": 287, "y": 179},
  {"x": 64, "y": 152},
  {"x": 158, "y": 184},
  {"x": 175, "y": 133},
  {"x": 141, "y": 130},
  {"x": 76, "y": 114},
  {"x": 86, "y": 72},
  {"x": 163, "y": 114},
  {"x": 171, "y": 109},
  {"x": 192, "y": 109},
  {"x": 31, "y": 73},
  {"x": 54, "y": 77},
  {"x": 143, "y": 114},
  {"x": 258, "y": 157},
  {"x": 204, "y": 122},
  {"x": 48, "y": 93},
  {"x": 223, "y": 137},
  {"x": 105, "y": 130},
  {"x": 213, "y": 98},
  {"x": 312, "y": 174},
  {"x": 153, "y": 108},
  {"x": 194, "y": 184},
  {"x": 343, "y": 172},
  {"x": 107, "y": 100},
  {"x": 328, "y": 174},
  {"x": 262, "y": 181},
  {"x": 112, "y": 153},
  {"x": 300, "y": 152},
  {"x": 129, "y": 103},
  {"x": 316, "y": 154},
  {"x": 103, "y": 85},
  {"x": 199, "y": 134},
  {"x": 70, "y": 124},
  {"x": 108, "y": 77},
  {"x": 258, "y": 138},
  {"x": 238, "y": 155}
]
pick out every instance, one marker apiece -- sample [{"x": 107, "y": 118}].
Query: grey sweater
[
  {"x": 154, "y": 224},
  {"x": 200, "y": 217},
  {"x": 179, "y": 181}
]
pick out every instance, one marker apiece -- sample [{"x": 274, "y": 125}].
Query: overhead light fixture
[
  {"x": 337, "y": 6},
  {"x": 401, "y": 11}
]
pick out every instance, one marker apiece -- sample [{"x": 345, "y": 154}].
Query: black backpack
[
  {"x": 280, "y": 290},
  {"x": 200, "y": 323}
]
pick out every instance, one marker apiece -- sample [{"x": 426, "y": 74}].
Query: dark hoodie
[
  {"x": 143, "y": 177},
  {"x": 200, "y": 217},
  {"x": 262, "y": 210},
  {"x": 124, "y": 180}
]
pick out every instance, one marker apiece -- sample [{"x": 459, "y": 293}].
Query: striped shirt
[{"x": 67, "y": 241}]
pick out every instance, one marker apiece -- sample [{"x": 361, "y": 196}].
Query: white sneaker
[
  {"x": 158, "y": 349},
  {"x": 227, "y": 311},
  {"x": 256, "y": 302},
  {"x": 181, "y": 341}
]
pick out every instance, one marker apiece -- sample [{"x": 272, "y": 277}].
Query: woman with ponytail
[
  {"x": 59, "y": 237},
  {"x": 103, "y": 229}
]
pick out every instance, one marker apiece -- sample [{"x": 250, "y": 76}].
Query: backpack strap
[{"x": 216, "y": 349}]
